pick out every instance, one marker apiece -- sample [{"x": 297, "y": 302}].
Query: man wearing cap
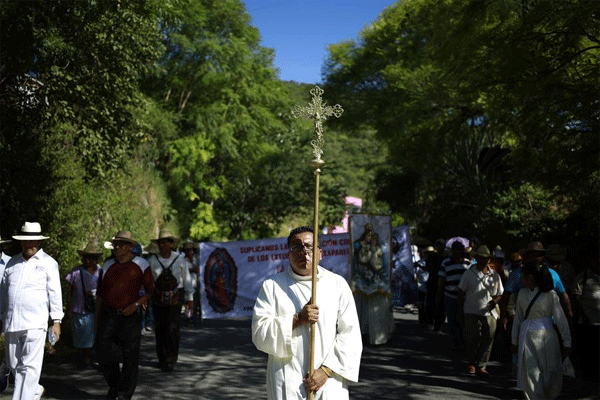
[
  {"x": 83, "y": 282},
  {"x": 479, "y": 291},
  {"x": 30, "y": 293},
  {"x": 172, "y": 283},
  {"x": 118, "y": 315}
]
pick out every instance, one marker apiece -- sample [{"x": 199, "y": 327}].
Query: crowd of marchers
[
  {"x": 109, "y": 305},
  {"x": 530, "y": 306},
  {"x": 533, "y": 305}
]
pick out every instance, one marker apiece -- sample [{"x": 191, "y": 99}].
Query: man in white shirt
[
  {"x": 172, "y": 283},
  {"x": 30, "y": 292},
  {"x": 479, "y": 291},
  {"x": 281, "y": 328}
]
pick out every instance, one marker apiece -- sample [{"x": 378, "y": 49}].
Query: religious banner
[
  {"x": 404, "y": 287},
  {"x": 232, "y": 273},
  {"x": 371, "y": 253}
]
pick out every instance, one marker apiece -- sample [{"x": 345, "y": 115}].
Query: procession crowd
[
  {"x": 532, "y": 308},
  {"x": 108, "y": 306}
]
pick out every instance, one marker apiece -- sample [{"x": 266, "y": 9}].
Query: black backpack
[{"x": 165, "y": 288}]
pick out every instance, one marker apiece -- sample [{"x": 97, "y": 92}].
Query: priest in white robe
[{"x": 281, "y": 328}]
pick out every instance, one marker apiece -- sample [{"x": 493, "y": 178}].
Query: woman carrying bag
[
  {"x": 81, "y": 294},
  {"x": 534, "y": 338}
]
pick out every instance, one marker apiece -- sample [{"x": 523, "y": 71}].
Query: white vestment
[
  {"x": 338, "y": 343},
  {"x": 540, "y": 374},
  {"x": 30, "y": 292}
]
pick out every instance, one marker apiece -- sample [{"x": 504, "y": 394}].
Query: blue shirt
[{"x": 513, "y": 283}]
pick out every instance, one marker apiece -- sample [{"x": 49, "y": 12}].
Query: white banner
[{"x": 231, "y": 273}]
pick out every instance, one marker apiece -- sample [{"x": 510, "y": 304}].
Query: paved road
[{"x": 218, "y": 361}]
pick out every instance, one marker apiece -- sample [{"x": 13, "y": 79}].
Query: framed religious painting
[{"x": 370, "y": 238}]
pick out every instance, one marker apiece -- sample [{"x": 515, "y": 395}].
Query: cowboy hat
[
  {"x": 90, "y": 250},
  {"x": 429, "y": 249},
  {"x": 123, "y": 236},
  {"x": 483, "y": 252},
  {"x": 163, "y": 234},
  {"x": 30, "y": 231},
  {"x": 535, "y": 246},
  {"x": 152, "y": 248}
]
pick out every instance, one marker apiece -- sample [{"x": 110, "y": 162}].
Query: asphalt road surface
[{"x": 218, "y": 361}]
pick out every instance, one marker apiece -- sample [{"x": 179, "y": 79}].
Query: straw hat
[
  {"x": 152, "y": 248},
  {"x": 483, "y": 252},
  {"x": 164, "y": 234},
  {"x": 535, "y": 246},
  {"x": 90, "y": 250},
  {"x": 30, "y": 231},
  {"x": 429, "y": 249},
  {"x": 123, "y": 236}
]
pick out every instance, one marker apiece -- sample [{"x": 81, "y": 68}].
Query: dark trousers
[
  {"x": 118, "y": 340},
  {"x": 167, "y": 325}
]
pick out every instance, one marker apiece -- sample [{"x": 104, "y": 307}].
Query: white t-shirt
[{"x": 479, "y": 289}]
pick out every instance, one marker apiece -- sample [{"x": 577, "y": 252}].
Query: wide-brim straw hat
[
  {"x": 164, "y": 234},
  {"x": 535, "y": 246},
  {"x": 91, "y": 249},
  {"x": 483, "y": 252},
  {"x": 31, "y": 231},
  {"x": 123, "y": 236},
  {"x": 152, "y": 248}
]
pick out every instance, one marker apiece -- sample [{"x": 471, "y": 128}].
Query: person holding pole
[{"x": 282, "y": 316}]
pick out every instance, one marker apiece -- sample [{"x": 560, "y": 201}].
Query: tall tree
[
  {"x": 230, "y": 164},
  {"x": 70, "y": 98},
  {"x": 476, "y": 99}
]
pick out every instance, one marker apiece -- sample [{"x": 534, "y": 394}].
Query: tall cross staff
[{"x": 317, "y": 111}]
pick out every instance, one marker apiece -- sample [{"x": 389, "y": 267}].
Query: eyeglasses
[{"x": 297, "y": 248}]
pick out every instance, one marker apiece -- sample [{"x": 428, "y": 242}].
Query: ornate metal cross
[{"x": 319, "y": 111}]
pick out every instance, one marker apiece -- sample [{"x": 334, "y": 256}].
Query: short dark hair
[
  {"x": 457, "y": 245},
  {"x": 297, "y": 231}
]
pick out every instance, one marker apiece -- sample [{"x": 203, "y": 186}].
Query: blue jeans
[{"x": 148, "y": 319}]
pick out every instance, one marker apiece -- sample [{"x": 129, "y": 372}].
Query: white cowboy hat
[{"x": 30, "y": 231}]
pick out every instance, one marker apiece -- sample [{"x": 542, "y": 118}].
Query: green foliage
[{"x": 479, "y": 102}]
